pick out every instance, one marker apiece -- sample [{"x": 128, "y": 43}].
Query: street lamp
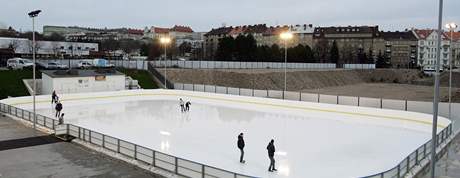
[
  {"x": 436, "y": 92},
  {"x": 451, "y": 26},
  {"x": 165, "y": 41},
  {"x": 32, "y": 15},
  {"x": 285, "y": 36}
]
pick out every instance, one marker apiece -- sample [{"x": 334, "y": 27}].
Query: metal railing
[
  {"x": 404, "y": 105},
  {"x": 134, "y": 151},
  {"x": 398, "y": 171}
]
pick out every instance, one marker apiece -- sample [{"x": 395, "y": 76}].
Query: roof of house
[
  {"x": 455, "y": 35},
  {"x": 406, "y": 35},
  {"x": 136, "y": 32},
  {"x": 276, "y": 30},
  {"x": 219, "y": 31},
  {"x": 79, "y": 73},
  {"x": 425, "y": 33},
  {"x": 160, "y": 30},
  {"x": 185, "y": 29}
]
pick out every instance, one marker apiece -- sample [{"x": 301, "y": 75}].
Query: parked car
[
  {"x": 56, "y": 65},
  {"x": 19, "y": 63},
  {"x": 84, "y": 64},
  {"x": 102, "y": 63},
  {"x": 40, "y": 65}
]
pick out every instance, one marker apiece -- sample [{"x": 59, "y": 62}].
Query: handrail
[{"x": 5, "y": 108}]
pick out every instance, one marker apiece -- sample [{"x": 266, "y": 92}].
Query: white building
[
  {"x": 427, "y": 43},
  {"x": 24, "y": 46},
  {"x": 81, "y": 81}
]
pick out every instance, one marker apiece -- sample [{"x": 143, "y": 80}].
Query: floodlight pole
[{"x": 436, "y": 92}]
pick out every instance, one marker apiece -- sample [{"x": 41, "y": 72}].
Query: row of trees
[{"x": 244, "y": 48}]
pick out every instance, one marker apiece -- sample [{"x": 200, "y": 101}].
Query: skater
[
  {"x": 181, "y": 102},
  {"x": 53, "y": 97},
  {"x": 187, "y": 106},
  {"x": 61, "y": 119},
  {"x": 271, "y": 154},
  {"x": 58, "y": 108},
  {"x": 241, "y": 147}
]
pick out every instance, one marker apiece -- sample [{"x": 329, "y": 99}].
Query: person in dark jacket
[
  {"x": 53, "y": 97},
  {"x": 241, "y": 147},
  {"x": 187, "y": 106},
  {"x": 58, "y": 109},
  {"x": 61, "y": 119},
  {"x": 271, "y": 154}
]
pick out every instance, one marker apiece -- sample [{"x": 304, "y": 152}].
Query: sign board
[{"x": 99, "y": 78}]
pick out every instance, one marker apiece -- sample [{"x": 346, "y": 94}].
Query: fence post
[
  {"x": 267, "y": 93},
  {"x": 381, "y": 103},
  {"x": 318, "y": 97},
  {"x": 358, "y": 100},
  {"x": 226, "y": 90},
  {"x": 103, "y": 141},
  {"x": 135, "y": 152},
  {"x": 202, "y": 169},
  {"x": 408, "y": 163},
  {"x": 416, "y": 157},
  {"x": 424, "y": 150},
  {"x": 300, "y": 95},
  {"x": 67, "y": 129},
  {"x": 337, "y": 99},
  {"x": 193, "y": 87},
  {"x": 399, "y": 171},
  {"x": 118, "y": 145},
  {"x": 175, "y": 163},
  {"x": 239, "y": 91},
  {"x": 153, "y": 158},
  {"x": 405, "y": 105},
  {"x": 54, "y": 128},
  {"x": 90, "y": 136}
]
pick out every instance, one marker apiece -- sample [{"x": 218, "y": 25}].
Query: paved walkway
[
  {"x": 449, "y": 165},
  {"x": 25, "y": 153}
]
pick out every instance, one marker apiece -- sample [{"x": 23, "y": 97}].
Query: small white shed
[{"x": 81, "y": 81}]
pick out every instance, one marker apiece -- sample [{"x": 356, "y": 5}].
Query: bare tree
[{"x": 14, "y": 44}]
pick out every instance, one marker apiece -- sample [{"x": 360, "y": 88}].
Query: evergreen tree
[
  {"x": 225, "y": 49},
  {"x": 334, "y": 54}
]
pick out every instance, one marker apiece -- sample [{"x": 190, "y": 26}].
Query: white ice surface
[{"x": 311, "y": 139}]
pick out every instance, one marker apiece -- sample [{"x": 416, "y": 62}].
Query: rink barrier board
[
  {"x": 148, "y": 156},
  {"x": 361, "y": 100},
  {"x": 189, "y": 168}
]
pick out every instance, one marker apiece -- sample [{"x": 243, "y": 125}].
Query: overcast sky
[{"x": 202, "y": 15}]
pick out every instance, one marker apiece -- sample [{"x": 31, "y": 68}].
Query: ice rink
[{"x": 311, "y": 139}]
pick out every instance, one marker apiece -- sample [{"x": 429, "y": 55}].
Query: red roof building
[{"x": 184, "y": 29}]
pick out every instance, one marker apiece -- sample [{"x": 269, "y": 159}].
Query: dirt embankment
[{"x": 296, "y": 79}]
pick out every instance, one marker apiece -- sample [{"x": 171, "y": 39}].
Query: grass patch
[
  {"x": 143, "y": 77},
  {"x": 11, "y": 82}
]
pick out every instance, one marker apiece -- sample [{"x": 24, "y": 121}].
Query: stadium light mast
[
  {"x": 436, "y": 92},
  {"x": 285, "y": 36},
  {"x": 32, "y": 15},
  {"x": 451, "y": 27},
  {"x": 165, "y": 41}
]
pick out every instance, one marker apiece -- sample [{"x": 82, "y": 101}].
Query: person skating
[
  {"x": 61, "y": 119},
  {"x": 58, "y": 108},
  {"x": 53, "y": 97},
  {"x": 271, "y": 154},
  {"x": 181, "y": 103},
  {"x": 187, "y": 106},
  {"x": 241, "y": 147}
]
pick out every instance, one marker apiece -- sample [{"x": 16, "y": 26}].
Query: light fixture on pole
[
  {"x": 285, "y": 36},
  {"x": 451, "y": 27},
  {"x": 434, "y": 140},
  {"x": 32, "y": 15},
  {"x": 165, "y": 41}
]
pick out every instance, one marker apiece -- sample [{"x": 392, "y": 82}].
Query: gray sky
[{"x": 202, "y": 15}]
